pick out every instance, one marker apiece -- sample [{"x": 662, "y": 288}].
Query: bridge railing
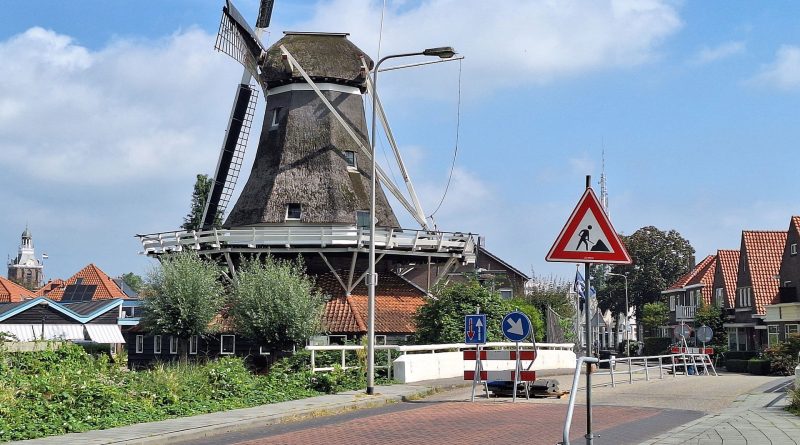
[{"x": 653, "y": 363}]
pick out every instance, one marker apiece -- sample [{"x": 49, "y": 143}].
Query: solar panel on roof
[{"x": 79, "y": 292}]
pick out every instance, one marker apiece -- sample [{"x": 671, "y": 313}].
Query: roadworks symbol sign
[{"x": 588, "y": 236}]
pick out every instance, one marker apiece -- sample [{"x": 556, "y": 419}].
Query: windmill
[
  {"x": 307, "y": 193},
  {"x": 238, "y": 131}
]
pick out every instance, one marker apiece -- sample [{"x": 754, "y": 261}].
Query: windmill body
[{"x": 307, "y": 168}]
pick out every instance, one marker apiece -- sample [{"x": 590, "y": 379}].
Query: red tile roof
[
  {"x": 764, "y": 250},
  {"x": 396, "y": 303},
  {"x": 689, "y": 277},
  {"x": 49, "y": 287},
  {"x": 11, "y": 292},
  {"x": 729, "y": 265},
  {"x": 704, "y": 275},
  {"x": 91, "y": 275}
]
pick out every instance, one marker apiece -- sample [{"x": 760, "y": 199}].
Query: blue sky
[{"x": 108, "y": 110}]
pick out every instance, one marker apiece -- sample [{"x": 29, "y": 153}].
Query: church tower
[{"x": 26, "y": 270}]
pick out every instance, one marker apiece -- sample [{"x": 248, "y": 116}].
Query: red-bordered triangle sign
[{"x": 588, "y": 236}]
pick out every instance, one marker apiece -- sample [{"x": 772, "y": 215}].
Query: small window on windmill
[
  {"x": 362, "y": 219},
  {"x": 793, "y": 249},
  {"x": 276, "y": 112},
  {"x": 293, "y": 211},
  {"x": 350, "y": 157}
]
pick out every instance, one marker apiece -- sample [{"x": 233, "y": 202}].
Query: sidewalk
[
  {"x": 188, "y": 428},
  {"x": 754, "y": 419}
]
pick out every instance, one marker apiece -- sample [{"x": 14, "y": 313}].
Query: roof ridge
[{"x": 361, "y": 325}]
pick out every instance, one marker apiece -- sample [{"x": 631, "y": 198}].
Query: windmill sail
[{"x": 236, "y": 39}]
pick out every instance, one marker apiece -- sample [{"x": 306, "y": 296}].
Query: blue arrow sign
[
  {"x": 516, "y": 326},
  {"x": 475, "y": 329}
]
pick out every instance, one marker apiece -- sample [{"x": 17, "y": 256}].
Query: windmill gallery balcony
[{"x": 327, "y": 238}]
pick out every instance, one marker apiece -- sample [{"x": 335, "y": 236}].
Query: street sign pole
[{"x": 587, "y": 292}]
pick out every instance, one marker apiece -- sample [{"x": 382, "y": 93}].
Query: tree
[
  {"x": 194, "y": 219},
  {"x": 553, "y": 294},
  {"x": 659, "y": 259},
  {"x": 275, "y": 303},
  {"x": 182, "y": 296},
  {"x": 712, "y": 316},
  {"x": 135, "y": 282},
  {"x": 441, "y": 320},
  {"x": 654, "y": 315}
]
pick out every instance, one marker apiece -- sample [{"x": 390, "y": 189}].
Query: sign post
[
  {"x": 516, "y": 327},
  {"x": 475, "y": 334},
  {"x": 588, "y": 237}
]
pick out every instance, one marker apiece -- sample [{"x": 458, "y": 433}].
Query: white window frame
[
  {"x": 380, "y": 340},
  {"x": 793, "y": 249},
  {"x": 287, "y": 218},
  {"x": 510, "y": 293},
  {"x": 139, "y": 344},
  {"x": 156, "y": 344},
  {"x": 672, "y": 303},
  {"x": 342, "y": 338},
  {"x": 773, "y": 335},
  {"x": 194, "y": 341},
  {"x": 173, "y": 344},
  {"x": 795, "y": 328},
  {"x": 261, "y": 351},
  {"x": 354, "y": 164},
  {"x": 222, "y": 344}
]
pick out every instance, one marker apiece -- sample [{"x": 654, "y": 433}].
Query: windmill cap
[{"x": 326, "y": 57}]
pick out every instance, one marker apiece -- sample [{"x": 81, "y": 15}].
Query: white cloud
[
  {"x": 131, "y": 110},
  {"x": 784, "y": 72},
  {"x": 509, "y": 44},
  {"x": 722, "y": 51}
]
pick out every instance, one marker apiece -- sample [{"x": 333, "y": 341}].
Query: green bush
[
  {"x": 58, "y": 391},
  {"x": 794, "y": 405},
  {"x": 736, "y": 365},
  {"x": 740, "y": 355},
  {"x": 758, "y": 366},
  {"x": 656, "y": 345},
  {"x": 784, "y": 355}
]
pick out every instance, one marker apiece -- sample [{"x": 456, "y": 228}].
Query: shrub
[
  {"x": 784, "y": 355},
  {"x": 736, "y": 365},
  {"x": 758, "y": 366},
  {"x": 656, "y": 345}
]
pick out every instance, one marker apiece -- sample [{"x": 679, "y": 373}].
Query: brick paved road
[{"x": 486, "y": 422}]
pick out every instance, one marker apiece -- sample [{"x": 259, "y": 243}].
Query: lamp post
[
  {"x": 627, "y": 308},
  {"x": 445, "y": 52}
]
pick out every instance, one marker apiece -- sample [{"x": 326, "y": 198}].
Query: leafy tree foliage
[
  {"x": 654, "y": 315},
  {"x": 712, "y": 316},
  {"x": 659, "y": 258},
  {"x": 441, "y": 320},
  {"x": 182, "y": 296},
  {"x": 553, "y": 293},
  {"x": 276, "y": 303},
  {"x": 194, "y": 219},
  {"x": 135, "y": 282}
]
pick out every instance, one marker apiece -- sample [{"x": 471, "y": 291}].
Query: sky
[{"x": 108, "y": 111}]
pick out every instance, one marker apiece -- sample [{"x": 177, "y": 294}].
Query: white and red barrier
[{"x": 691, "y": 350}]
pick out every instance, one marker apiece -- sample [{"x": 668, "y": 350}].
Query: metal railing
[
  {"x": 305, "y": 236},
  {"x": 685, "y": 312},
  {"x": 406, "y": 349},
  {"x": 674, "y": 363}
]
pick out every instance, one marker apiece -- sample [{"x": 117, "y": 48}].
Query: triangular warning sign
[{"x": 588, "y": 236}]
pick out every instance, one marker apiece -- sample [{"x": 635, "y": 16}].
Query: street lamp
[
  {"x": 627, "y": 308},
  {"x": 444, "y": 52}
]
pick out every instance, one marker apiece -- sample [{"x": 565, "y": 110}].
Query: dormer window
[
  {"x": 350, "y": 157},
  {"x": 293, "y": 211}
]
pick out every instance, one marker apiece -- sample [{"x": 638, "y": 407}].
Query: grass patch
[{"x": 66, "y": 390}]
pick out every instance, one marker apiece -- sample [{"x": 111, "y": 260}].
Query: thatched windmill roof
[{"x": 326, "y": 57}]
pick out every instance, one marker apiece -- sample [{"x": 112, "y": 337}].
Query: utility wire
[{"x": 455, "y": 151}]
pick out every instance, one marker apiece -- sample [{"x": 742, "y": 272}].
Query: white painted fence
[{"x": 426, "y": 362}]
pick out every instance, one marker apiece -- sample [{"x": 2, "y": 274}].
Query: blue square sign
[{"x": 475, "y": 329}]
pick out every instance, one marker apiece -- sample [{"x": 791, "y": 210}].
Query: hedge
[
  {"x": 758, "y": 366},
  {"x": 736, "y": 365},
  {"x": 740, "y": 355},
  {"x": 656, "y": 345}
]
